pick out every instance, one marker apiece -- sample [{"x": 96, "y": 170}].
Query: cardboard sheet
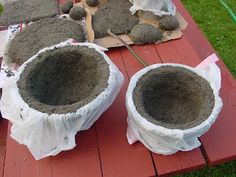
[{"x": 144, "y": 17}]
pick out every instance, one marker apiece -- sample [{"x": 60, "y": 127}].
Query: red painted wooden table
[{"x": 103, "y": 150}]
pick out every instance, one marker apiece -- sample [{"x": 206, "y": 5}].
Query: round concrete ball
[
  {"x": 168, "y": 22},
  {"x": 65, "y": 8},
  {"x": 144, "y": 33},
  {"x": 77, "y": 13},
  {"x": 92, "y": 3}
]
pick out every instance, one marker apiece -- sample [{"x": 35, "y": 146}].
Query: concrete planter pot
[
  {"x": 61, "y": 90},
  {"x": 170, "y": 106}
]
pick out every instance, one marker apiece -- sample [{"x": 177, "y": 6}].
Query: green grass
[
  {"x": 1, "y": 8},
  {"x": 220, "y": 29},
  {"x": 231, "y": 4},
  {"x": 218, "y": 26},
  {"x": 222, "y": 170}
]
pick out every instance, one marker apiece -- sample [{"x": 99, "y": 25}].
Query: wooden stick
[{"x": 128, "y": 47}]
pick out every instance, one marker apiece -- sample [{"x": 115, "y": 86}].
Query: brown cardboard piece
[{"x": 144, "y": 17}]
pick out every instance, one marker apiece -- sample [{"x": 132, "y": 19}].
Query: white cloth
[
  {"x": 158, "y": 7},
  {"x": 47, "y": 135}
]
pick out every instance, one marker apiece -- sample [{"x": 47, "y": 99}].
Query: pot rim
[
  {"x": 70, "y": 42},
  {"x": 141, "y": 121}
]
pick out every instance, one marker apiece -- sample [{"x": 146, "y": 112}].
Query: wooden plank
[
  {"x": 186, "y": 51},
  {"x": 83, "y": 160},
  {"x": 178, "y": 51},
  {"x": 3, "y": 136},
  {"x": 179, "y": 162},
  {"x": 172, "y": 53},
  {"x": 146, "y": 52},
  {"x": 219, "y": 143},
  {"x": 20, "y": 163},
  {"x": 218, "y": 147},
  {"x": 118, "y": 158}
]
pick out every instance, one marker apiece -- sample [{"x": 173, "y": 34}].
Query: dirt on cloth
[
  {"x": 41, "y": 34},
  {"x": 144, "y": 33},
  {"x": 173, "y": 97},
  {"x": 28, "y": 10},
  {"x": 64, "y": 79},
  {"x": 114, "y": 14}
]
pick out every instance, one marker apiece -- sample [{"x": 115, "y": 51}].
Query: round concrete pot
[
  {"x": 59, "y": 91},
  {"x": 170, "y": 106}
]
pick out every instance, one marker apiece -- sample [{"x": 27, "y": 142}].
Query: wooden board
[
  {"x": 83, "y": 160},
  {"x": 3, "y": 137},
  {"x": 181, "y": 162},
  {"x": 218, "y": 142},
  {"x": 20, "y": 163},
  {"x": 77, "y": 162},
  {"x": 118, "y": 159}
]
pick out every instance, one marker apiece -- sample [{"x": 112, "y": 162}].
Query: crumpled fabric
[{"x": 157, "y": 7}]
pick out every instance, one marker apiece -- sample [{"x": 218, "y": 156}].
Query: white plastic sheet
[
  {"x": 47, "y": 135},
  {"x": 158, "y": 7},
  {"x": 166, "y": 141}
]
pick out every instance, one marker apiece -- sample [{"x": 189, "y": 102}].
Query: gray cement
[
  {"x": 41, "y": 34},
  {"x": 168, "y": 22},
  {"x": 28, "y": 10},
  {"x": 114, "y": 15},
  {"x": 77, "y": 13},
  {"x": 173, "y": 97},
  {"x": 63, "y": 80},
  {"x": 65, "y": 8},
  {"x": 144, "y": 33}
]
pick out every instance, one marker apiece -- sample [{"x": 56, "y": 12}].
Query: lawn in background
[
  {"x": 220, "y": 29},
  {"x": 218, "y": 26},
  {"x": 1, "y": 8}
]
